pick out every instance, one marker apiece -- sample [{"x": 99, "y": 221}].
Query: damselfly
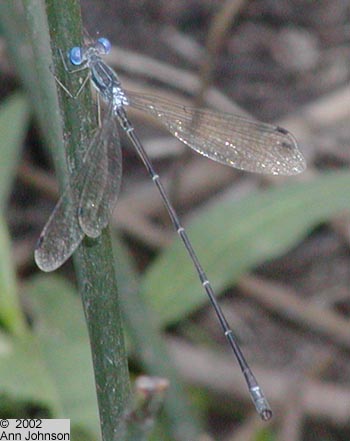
[{"x": 87, "y": 204}]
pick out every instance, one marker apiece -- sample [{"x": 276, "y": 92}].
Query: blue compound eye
[
  {"x": 106, "y": 44},
  {"x": 76, "y": 56}
]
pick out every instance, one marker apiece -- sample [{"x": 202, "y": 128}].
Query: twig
[
  {"x": 212, "y": 371},
  {"x": 217, "y": 32},
  {"x": 293, "y": 410},
  {"x": 283, "y": 301}
]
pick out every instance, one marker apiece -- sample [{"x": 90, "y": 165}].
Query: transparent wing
[
  {"x": 63, "y": 233},
  {"x": 102, "y": 182},
  {"x": 229, "y": 139}
]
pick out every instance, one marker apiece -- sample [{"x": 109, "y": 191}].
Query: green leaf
[
  {"x": 23, "y": 375},
  {"x": 62, "y": 335},
  {"x": 14, "y": 117},
  {"x": 232, "y": 237},
  {"x": 11, "y": 316},
  {"x": 52, "y": 367}
]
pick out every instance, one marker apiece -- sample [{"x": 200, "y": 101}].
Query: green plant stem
[{"x": 94, "y": 259}]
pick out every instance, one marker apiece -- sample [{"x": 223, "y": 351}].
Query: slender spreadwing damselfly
[{"x": 86, "y": 206}]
